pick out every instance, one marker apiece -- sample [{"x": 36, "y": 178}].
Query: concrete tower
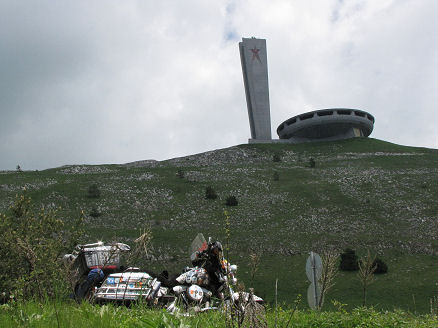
[{"x": 255, "y": 77}]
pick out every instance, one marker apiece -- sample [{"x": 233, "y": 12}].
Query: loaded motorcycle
[{"x": 207, "y": 285}]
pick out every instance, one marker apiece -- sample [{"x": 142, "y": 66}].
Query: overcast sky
[{"x": 92, "y": 82}]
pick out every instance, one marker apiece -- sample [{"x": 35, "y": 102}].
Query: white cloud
[{"x": 111, "y": 81}]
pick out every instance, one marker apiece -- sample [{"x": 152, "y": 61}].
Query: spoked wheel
[
  {"x": 90, "y": 294},
  {"x": 177, "y": 306},
  {"x": 234, "y": 313},
  {"x": 84, "y": 291}
]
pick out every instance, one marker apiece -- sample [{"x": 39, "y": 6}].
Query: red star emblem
[{"x": 255, "y": 54}]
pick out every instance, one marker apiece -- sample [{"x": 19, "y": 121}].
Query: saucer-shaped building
[{"x": 326, "y": 125}]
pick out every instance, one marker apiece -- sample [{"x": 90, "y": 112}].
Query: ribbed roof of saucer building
[{"x": 326, "y": 125}]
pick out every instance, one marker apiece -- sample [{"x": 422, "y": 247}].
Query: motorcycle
[
  {"x": 192, "y": 293},
  {"x": 209, "y": 284}
]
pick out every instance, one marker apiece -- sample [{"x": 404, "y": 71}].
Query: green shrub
[
  {"x": 312, "y": 163},
  {"x": 381, "y": 266},
  {"x": 349, "y": 260},
  {"x": 93, "y": 191},
  {"x": 180, "y": 174},
  {"x": 95, "y": 212},
  {"x": 31, "y": 243},
  {"x": 276, "y": 176},
  {"x": 276, "y": 158},
  {"x": 231, "y": 201},
  {"x": 210, "y": 193}
]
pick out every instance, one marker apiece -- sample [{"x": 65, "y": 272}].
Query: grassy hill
[{"x": 363, "y": 193}]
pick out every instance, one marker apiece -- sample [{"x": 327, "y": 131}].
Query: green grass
[
  {"x": 67, "y": 314},
  {"x": 363, "y": 194}
]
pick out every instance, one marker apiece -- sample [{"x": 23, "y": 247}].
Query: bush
[
  {"x": 31, "y": 243},
  {"x": 180, "y": 174},
  {"x": 312, "y": 163},
  {"x": 210, "y": 193},
  {"x": 349, "y": 260},
  {"x": 381, "y": 266},
  {"x": 95, "y": 212},
  {"x": 93, "y": 191},
  {"x": 276, "y": 158},
  {"x": 276, "y": 176},
  {"x": 231, "y": 201}
]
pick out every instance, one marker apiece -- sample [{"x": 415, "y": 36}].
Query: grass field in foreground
[{"x": 66, "y": 314}]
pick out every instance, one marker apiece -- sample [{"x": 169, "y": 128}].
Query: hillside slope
[{"x": 362, "y": 193}]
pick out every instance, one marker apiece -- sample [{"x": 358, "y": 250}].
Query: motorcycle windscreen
[{"x": 199, "y": 244}]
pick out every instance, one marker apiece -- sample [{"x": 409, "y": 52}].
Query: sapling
[
  {"x": 328, "y": 274},
  {"x": 366, "y": 274}
]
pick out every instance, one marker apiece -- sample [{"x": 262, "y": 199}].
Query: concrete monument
[
  {"x": 326, "y": 125},
  {"x": 255, "y": 77},
  {"x": 320, "y": 125}
]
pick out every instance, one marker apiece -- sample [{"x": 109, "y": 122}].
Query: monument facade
[
  {"x": 326, "y": 125},
  {"x": 319, "y": 125},
  {"x": 255, "y": 77}
]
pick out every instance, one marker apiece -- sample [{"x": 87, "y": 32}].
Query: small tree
[
  {"x": 93, "y": 191},
  {"x": 255, "y": 256},
  {"x": 366, "y": 274},
  {"x": 210, "y": 193},
  {"x": 142, "y": 245},
  {"x": 227, "y": 233},
  {"x": 328, "y": 274},
  {"x": 231, "y": 201},
  {"x": 434, "y": 305}
]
